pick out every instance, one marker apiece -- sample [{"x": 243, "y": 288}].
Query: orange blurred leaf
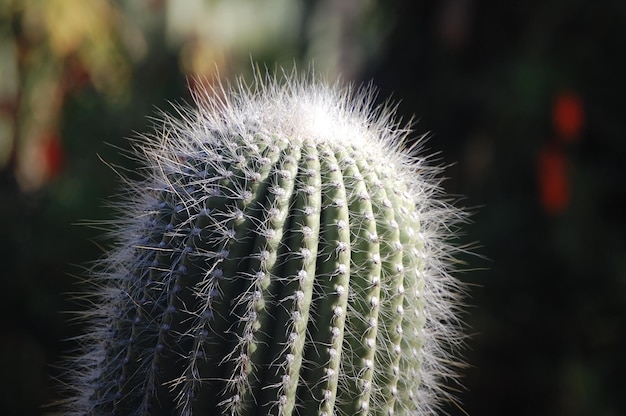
[
  {"x": 554, "y": 187},
  {"x": 568, "y": 116},
  {"x": 52, "y": 155}
]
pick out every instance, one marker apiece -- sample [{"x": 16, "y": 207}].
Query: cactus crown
[{"x": 282, "y": 256}]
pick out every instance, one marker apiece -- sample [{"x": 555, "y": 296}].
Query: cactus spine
[{"x": 282, "y": 256}]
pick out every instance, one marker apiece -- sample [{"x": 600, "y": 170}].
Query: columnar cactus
[{"x": 283, "y": 256}]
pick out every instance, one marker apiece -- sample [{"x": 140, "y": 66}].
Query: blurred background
[{"x": 524, "y": 99}]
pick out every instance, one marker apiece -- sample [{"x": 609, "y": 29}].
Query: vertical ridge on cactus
[{"x": 283, "y": 255}]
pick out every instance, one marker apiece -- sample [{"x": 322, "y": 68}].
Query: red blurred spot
[
  {"x": 553, "y": 180},
  {"x": 52, "y": 152},
  {"x": 568, "y": 116},
  {"x": 77, "y": 74}
]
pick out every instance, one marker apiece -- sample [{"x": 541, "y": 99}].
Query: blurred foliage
[
  {"x": 50, "y": 49},
  {"x": 524, "y": 100}
]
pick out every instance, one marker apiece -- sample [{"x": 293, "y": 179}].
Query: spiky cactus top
[{"x": 282, "y": 256}]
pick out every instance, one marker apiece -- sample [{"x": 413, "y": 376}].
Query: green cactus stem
[{"x": 282, "y": 256}]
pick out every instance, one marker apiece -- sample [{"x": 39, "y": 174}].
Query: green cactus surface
[{"x": 282, "y": 256}]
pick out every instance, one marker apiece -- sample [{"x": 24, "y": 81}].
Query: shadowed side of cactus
[{"x": 282, "y": 256}]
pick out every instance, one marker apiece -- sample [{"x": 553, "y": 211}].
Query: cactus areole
[{"x": 282, "y": 256}]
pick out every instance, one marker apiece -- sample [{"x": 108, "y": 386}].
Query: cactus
[{"x": 282, "y": 256}]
